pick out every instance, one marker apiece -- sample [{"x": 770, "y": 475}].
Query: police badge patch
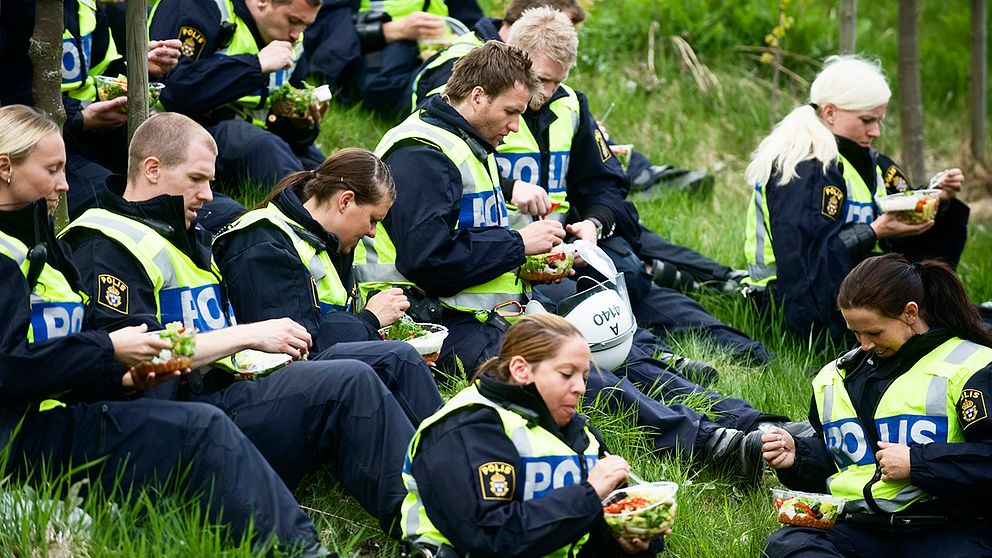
[
  {"x": 604, "y": 148},
  {"x": 112, "y": 293},
  {"x": 971, "y": 407},
  {"x": 193, "y": 42},
  {"x": 833, "y": 199},
  {"x": 895, "y": 180},
  {"x": 497, "y": 481}
]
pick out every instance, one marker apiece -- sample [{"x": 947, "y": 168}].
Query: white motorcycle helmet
[{"x": 602, "y": 314}]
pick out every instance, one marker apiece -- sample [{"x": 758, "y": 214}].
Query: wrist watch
[{"x": 600, "y": 232}]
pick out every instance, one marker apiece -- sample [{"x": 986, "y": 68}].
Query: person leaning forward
[
  {"x": 449, "y": 230},
  {"x": 234, "y": 55},
  {"x": 145, "y": 261},
  {"x": 69, "y": 396}
]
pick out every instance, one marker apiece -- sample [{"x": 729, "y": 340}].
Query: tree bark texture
[
  {"x": 979, "y": 81},
  {"x": 848, "y": 26},
  {"x": 910, "y": 101},
  {"x": 136, "y": 15}
]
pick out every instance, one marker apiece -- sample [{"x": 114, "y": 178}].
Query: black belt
[{"x": 894, "y": 520}]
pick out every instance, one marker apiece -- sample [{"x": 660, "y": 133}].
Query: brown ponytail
[
  {"x": 536, "y": 338},
  {"x": 351, "y": 168},
  {"x": 887, "y": 283}
]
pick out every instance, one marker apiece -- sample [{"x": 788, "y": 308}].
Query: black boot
[
  {"x": 739, "y": 452},
  {"x": 696, "y": 371}
]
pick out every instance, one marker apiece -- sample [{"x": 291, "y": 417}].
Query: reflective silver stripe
[
  {"x": 379, "y": 273},
  {"x": 826, "y": 413},
  {"x": 962, "y": 352},
  {"x": 413, "y": 516},
  {"x": 18, "y": 254},
  {"x": 937, "y": 397},
  {"x": 371, "y": 256},
  {"x": 316, "y": 267},
  {"x": 160, "y": 259},
  {"x": 908, "y": 495},
  {"x": 521, "y": 440},
  {"x": 761, "y": 272},
  {"x": 759, "y": 228},
  {"x": 482, "y": 301},
  {"x": 447, "y": 144}
]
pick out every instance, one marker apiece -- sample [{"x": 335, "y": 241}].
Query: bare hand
[
  {"x": 887, "y": 226},
  {"x": 132, "y": 345},
  {"x": 636, "y": 546},
  {"x": 388, "y": 305},
  {"x": 778, "y": 448},
  {"x": 105, "y": 114},
  {"x": 585, "y": 230},
  {"x": 541, "y": 236},
  {"x": 950, "y": 183},
  {"x": 530, "y": 199},
  {"x": 608, "y": 473},
  {"x": 894, "y": 461},
  {"x": 414, "y": 27},
  {"x": 163, "y": 56},
  {"x": 134, "y": 381},
  {"x": 277, "y": 55},
  {"x": 281, "y": 335},
  {"x": 602, "y": 128}
]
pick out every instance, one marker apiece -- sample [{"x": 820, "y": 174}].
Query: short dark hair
[
  {"x": 167, "y": 136},
  {"x": 313, "y": 3},
  {"x": 496, "y": 67},
  {"x": 571, "y": 8}
]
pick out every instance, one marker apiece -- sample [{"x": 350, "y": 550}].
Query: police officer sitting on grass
[
  {"x": 235, "y": 53},
  {"x": 144, "y": 261}
]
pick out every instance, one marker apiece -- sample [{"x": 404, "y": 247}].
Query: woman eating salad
[{"x": 508, "y": 468}]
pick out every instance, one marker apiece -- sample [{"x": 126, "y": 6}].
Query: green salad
[
  {"x": 183, "y": 339},
  {"x": 642, "y": 511},
  {"x": 291, "y": 102},
  {"x": 548, "y": 267},
  {"x": 807, "y": 510},
  {"x": 403, "y": 329},
  {"x": 108, "y": 88}
]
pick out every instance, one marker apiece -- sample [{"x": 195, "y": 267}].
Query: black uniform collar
[
  {"x": 487, "y": 29},
  {"x": 165, "y": 214},
  {"x": 863, "y": 159},
  {"x": 914, "y": 349},
  {"x": 439, "y": 113},
  {"x": 289, "y": 203},
  {"x": 241, "y": 10},
  {"x": 32, "y": 225},
  {"x": 527, "y": 402}
]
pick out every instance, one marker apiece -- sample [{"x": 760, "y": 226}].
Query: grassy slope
[{"x": 673, "y": 122}]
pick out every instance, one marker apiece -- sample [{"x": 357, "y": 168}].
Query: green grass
[{"x": 667, "y": 116}]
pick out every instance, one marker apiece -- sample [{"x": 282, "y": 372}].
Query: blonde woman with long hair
[{"x": 812, "y": 215}]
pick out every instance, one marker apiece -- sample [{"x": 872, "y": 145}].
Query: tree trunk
[
  {"x": 848, "y": 26},
  {"x": 979, "y": 81},
  {"x": 136, "y": 14},
  {"x": 45, "y": 52},
  {"x": 910, "y": 102}
]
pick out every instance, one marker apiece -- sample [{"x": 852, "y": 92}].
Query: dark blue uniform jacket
[
  {"x": 265, "y": 278},
  {"x": 811, "y": 256},
  {"x": 82, "y": 364},
  {"x": 446, "y": 468},
  {"x": 959, "y": 475},
  {"x": 98, "y": 255},
  {"x": 430, "y": 251},
  {"x": 596, "y": 183}
]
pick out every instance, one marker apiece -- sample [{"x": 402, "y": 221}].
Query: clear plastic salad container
[
  {"x": 912, "y": 206},
  {"x": 805, "y": 509},
  {"x": 642, "y": 511}
]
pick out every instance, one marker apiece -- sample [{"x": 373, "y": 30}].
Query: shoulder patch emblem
[
  {"x": 604, "y": 148},
  {"x": 112, "y": 293},
  {"x": 895, "y": 180},
  {"x": 193, "y": 42},
  {"x": 497, "y": 481},
  {"x": 971, "y": 407},
  {"x": 833, "y": 199}
]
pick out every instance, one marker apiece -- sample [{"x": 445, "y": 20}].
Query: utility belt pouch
[{"x": 423, "y": 307}]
